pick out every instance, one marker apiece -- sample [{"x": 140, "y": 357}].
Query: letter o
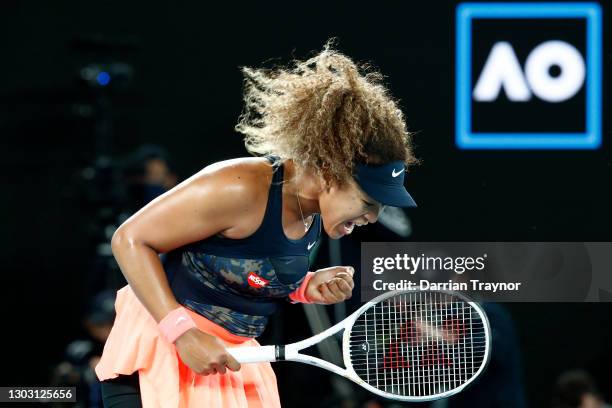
[{"x": 562, "y": 87}]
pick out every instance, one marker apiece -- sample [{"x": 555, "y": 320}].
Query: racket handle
[{"x": 253, "y": 354}]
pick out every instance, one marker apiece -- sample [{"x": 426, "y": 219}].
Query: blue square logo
[{"x": 528, "y": 76}]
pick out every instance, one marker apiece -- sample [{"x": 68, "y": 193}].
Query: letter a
[{"x": 502, "y": 69}]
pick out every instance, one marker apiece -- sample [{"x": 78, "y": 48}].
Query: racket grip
[{"x": 253, "y": 354}]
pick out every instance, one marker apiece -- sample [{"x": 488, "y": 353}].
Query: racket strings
[{"x": 418, "y": 344}]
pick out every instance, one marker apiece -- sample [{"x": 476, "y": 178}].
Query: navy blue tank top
[{"x": 238, "y": 283}]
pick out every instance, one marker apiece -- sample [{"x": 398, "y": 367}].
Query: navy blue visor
[{"x": 384, "y": 183}]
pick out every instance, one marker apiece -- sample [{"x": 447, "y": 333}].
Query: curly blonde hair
[{"x": 326, "y": 113}]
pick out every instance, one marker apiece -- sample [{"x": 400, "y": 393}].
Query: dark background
[{"x": 186, "y": 95}]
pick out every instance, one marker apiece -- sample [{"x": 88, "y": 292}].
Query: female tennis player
[{"x": 238, "y": 233}]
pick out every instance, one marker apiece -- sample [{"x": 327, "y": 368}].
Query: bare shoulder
[
  {"x": 239, "y": 188},
  {"x": 227, "y": 198},
  {"x": 241, "y": 178}
]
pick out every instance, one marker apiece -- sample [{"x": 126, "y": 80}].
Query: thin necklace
[{"x": 301, "y": 213}]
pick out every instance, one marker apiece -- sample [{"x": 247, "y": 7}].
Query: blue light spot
[{"x": 103, "y": 78}]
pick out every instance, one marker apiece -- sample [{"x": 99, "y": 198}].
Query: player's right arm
[{"x": 222, "y": 198}]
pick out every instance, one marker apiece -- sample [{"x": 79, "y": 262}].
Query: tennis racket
[{"x": 402, "y": 345}]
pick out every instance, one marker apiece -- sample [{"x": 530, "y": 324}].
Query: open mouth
[{"x": 348, "y": 227}]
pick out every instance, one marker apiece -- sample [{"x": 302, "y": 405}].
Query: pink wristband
[
  {"x": 175, "y": 323},
  {"x": 300, "y": 294}
]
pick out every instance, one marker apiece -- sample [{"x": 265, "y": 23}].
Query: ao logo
[
  {"x": 502, "y": 69},
  {"x": 528, "y": 75}
]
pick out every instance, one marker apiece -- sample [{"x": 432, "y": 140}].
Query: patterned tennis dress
[{"x": 237, "y": 283}]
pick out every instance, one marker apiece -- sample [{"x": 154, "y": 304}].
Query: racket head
[{"x": 426, "y": 351}]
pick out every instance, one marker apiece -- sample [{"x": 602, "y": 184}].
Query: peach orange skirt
[{"x": 135, "y": 344}]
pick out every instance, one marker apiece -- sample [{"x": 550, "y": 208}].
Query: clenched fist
[{"x": 330, "y": 285}]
